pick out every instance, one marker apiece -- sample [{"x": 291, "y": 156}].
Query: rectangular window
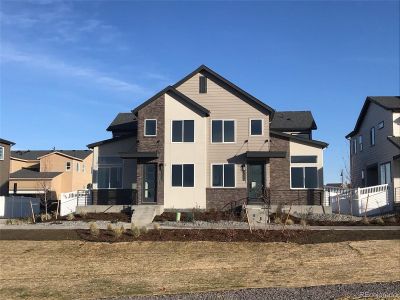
[
  {"x": 202, "y": 84},
  {"x": 1, "y": 153},
  {"x": 386, "y": 177},
  {"x": 256, "y": 127},
  {"x": 223, "y": 175},
  {"x": 183, "y": 131},
  {"x": 354, "y": 146},
  {"x": 303, "y": 159},
  {"x": 304, "y": 177},
  {"x": 68, "y": 166},
  {"x": 183, "y": 175},
  {"x": 360, "y": 143},
  {"x": 372, "y": 136},
  {"x": 381, "y": 125},
  {"x": 109, "y": 178},
  {"x": 150, "y": 127},
  {"x": 83, "y": 168},
  {"x": 77, "y": 167},
  {"x": 223, "y": 131}
]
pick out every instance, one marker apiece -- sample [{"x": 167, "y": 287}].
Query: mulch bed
[
  {"x": 91, "y": 217},
  {"x": 207, "y": 216},
  {"x": 387, "y": 221}
]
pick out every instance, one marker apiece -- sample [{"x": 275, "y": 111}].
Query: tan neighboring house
[
  {"x": 375, "y": 144},
  {"x": 206, "y": 143},
  {"x": 57, "y": 171},
  {"x": 5, "y": 148}
]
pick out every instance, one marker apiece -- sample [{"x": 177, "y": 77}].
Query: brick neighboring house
[
  {"x": 5, "y": 148},
  {"x": 375, "y": 144},
  {"x": 205, "y": 143},
  {"x": 58, "y": 171}
]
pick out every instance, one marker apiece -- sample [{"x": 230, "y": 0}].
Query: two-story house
[
  {"x": 5, "y": 148},
  {"x": 206, "y": 143},
  {"x": 34, "y": 172},
  {"x": 375, "y": 144}
]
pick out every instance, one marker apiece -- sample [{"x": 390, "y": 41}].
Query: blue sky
[{"x": 67, "y": 68}]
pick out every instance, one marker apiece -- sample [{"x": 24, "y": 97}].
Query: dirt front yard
[{"x": 89, "y": 270}]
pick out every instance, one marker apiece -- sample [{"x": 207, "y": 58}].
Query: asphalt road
[{"x": 376, "y": 290}]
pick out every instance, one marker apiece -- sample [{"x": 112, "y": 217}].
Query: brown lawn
[{"x": 83, "y": 270}]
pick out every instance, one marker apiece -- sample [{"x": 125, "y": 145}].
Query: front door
[
  {"x": 255, "y": 181},
  {"x": 150, "y": 183}
]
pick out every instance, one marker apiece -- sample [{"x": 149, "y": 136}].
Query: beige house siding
[
  {"x": 17, "y": 164},
  {"x": 185, "y": 153},
  {"x": 225, "y": 105},
  {"x": 382, "y": 152}
]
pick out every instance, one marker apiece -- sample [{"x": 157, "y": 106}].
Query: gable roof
[
  {"x": 387, "y": 102},
  {"x": 36, "y": 154},
  {"x": 6, "y": 142},
  {"x": 29, "y": 174},
  {"x": 107, "y": 141},
  {"x": 395, "y": 140},
  {"x": 300, "y": 139},
  {"x": 293, "y": 120},
  {"x": 204, "y": 70},
  {"x": 173, "y": 92},
  {"x": 123, "y": 122}
]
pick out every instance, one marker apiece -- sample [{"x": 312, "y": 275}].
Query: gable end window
[
  {"x": 68, "y": 166},
  {"x": 355, "y": 146},
  {"x": 360, "y": 143},
  {"x": 256, "y": 127},
  {"x": 372, "y": 136},
  {"x": 223, "y": 175},
  {"x": 150, "y": 127},
  {"x": 223, "y": 131},
  {"x": 183, "y": 131},
  {"x": 381, "y": 125},
  {"x": 202, "y": 84},
  {"x": 183, "y": 175},
  {"x": 1, "y": 153}
]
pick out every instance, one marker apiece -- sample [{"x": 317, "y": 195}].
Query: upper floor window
[
  {"x": 83, "y": 168},
  {"x": 183, "y": 131},
  {"x": 77, "y": 167},
  {"x": 202, "y": 84},
  {"x": 150, "y": 127},
  {"x": 355, "y": 146},
  {"x": 360, "y": 142},
  {"x": 223, "y": 175},
  {"x": 183, "y": 175},
  {"x": 223, "y": 131},
  {"x": 304, "y": 177},
  {"x": 256, "y": 127},
  {"x": 381, "y": 125},
  {"x": 372, "y": 136},
  {"x": 68, "y": 166},
  {"x": 1, "y": 153}
]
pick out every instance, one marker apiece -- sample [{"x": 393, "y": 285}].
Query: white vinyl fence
[
  {"x": 368, "y": 201},
  {"x": 69, "y": 201},
  {"x": 18, "y": 207}
]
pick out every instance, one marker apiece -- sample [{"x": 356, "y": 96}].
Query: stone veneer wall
[
  {"x": 217, "y": 198},
  {"x": 154, "y": 110},
  {"x": 280, "y": 191}
]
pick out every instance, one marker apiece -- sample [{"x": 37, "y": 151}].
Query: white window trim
[
  {"x": 83, "y": 168},
  {"x": 262, "y": 127},
  {"x": 380, "y": 172},
  {"x": 194, "y": 176},
  {"x": 145, "y": 127},
  {"x": 2, "y": 153},
  {"x": 109, "y": 167},
  {"x": 223, "y": 176},
  {"x": 70, "y": 166},
  {"x": 194, "y": 132},
  {"x": 77, "y": 167},
  {"x": 379, "y": 125},
  {"x": 223, "y": 126}
]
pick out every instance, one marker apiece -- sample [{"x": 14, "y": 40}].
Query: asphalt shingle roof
[
  {"x": 3, "y": 141},
  {"x": 35, "y": 154},
  {"x": 387, "y": 102},
  {"x": 293, "y": 120},
  {"x": 25, "y": 173},
  {"x": 123, "y": 122},
  {"x": 395, "y": 140}
]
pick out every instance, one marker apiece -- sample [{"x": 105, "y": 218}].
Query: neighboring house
[
  {"x": 206, "y": 143},
  {"x": 5, "y": 148},
  {"x": 375, "y": 144},
  {"x": 58, "y": 171}
]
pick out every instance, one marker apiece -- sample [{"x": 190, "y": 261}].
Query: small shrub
[
  {"x": 391, "y": 219},
  {"x": 289, "y": 222},
  {"x": 94, "y": 229},
  {"x": 143, "y": 230},
  {"x": 110, "y": 227},
  {"x": 70, "y": 217},
  {"x": 122, "y": 228},
  {"x": 117, "y": 231},
  {"x": 379, "y": 221},
  {"x": 303, "y": 222},
  {"x": 365, "y": 221},
  {"x": 277, "y": 220},
  {"x": 135, "y": 231},
  {"x": 44, "y": 217},
  {"x": 156, "y": 226},
  {"x": 83, "y": 214}
]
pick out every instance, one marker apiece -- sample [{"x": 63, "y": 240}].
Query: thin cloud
[{"x": 12, "y": 56}]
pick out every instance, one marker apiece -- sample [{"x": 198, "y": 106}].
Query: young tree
[{"x": 44, "y": 185}]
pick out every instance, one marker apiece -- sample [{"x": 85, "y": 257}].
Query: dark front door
[
  {"x": 372, "y": 175},
  {"x": 150, "y": 183},
  {"x": 255, "y": 181}
]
